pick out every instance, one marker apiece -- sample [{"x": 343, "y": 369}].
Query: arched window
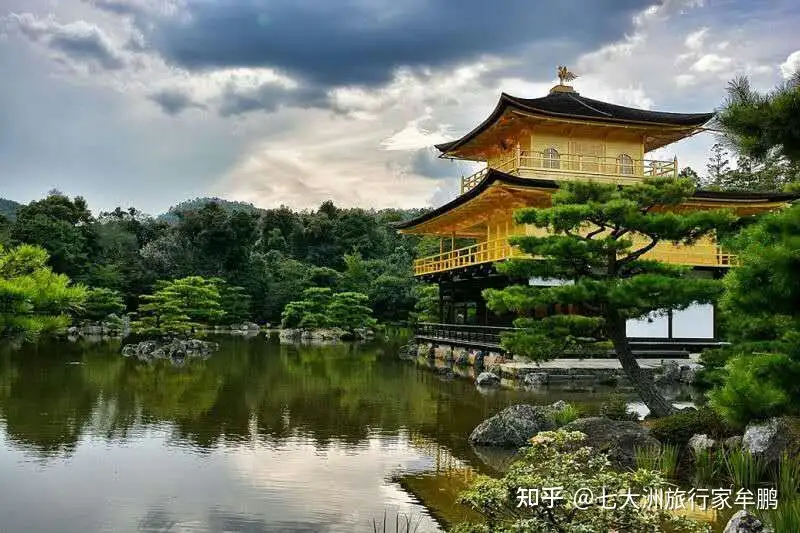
[
  {"x": 624, "y": 164},
  {"x": 551, "y": 158}
]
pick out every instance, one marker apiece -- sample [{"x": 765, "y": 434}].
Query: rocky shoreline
[{"x": 323, "y": 335}]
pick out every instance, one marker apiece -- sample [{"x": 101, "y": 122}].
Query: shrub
[
  {"x": 559, "y": 459},
  {"x": 566, "y": 415},
  {"x": 679, "y": 428},
  {"x": 616, "y": 408},
  {"x": 757, "y": 387}
]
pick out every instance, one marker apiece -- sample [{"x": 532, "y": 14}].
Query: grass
[
  {"x": 660, "y": 458},
  {"x": 707, "y": 467},
  {"x": 402, "y": 524},
  {"x": 785, "y": 518},
  {"x": 744, "y": 469},
  {"x": 788, "y": 477},
  {"x": 566, "y": 415}
]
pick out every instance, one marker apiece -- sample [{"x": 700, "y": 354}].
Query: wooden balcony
[
  {"x": 698, "y": 255},
  {"x": 525, "y": 163}
]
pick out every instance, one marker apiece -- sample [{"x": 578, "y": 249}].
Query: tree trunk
[{"x": 655, "y": 401}]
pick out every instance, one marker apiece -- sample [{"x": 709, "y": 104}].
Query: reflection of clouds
[{"x": 335, "y": 484}]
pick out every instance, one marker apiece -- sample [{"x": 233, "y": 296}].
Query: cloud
[
  {"x": 78, "y": 41},
  {"x": 175, "y": 101},
  {"x": 791, "y": 66},
  {"x": 711, "y": 63},
  {"x": 694, "y": 41},
  {"x": 364, "y": 43}
]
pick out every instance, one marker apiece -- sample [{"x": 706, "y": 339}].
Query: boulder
[
  {"x": 535, "y": 379},
  {"x": 700, "y": 442},
  {"x": 460, "y": 357},
  {"x": 617, "y": 438},
  {"x": 768, "y": 439},
  {"x": 487, "y": 379},
  {"x": 745, "y": 522},
  {"x": 73, "y": 331},
  {"x": 514, "y": 426},
  {"x": 670, "y": 372},
  {"x": 688, "y": 374}
]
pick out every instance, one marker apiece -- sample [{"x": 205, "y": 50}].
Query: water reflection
[{"x": 258, "y": 437}]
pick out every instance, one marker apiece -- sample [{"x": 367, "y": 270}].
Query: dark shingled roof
[
  {"x": 493, "y": 176},
  {"x": 566, "y": 104}
]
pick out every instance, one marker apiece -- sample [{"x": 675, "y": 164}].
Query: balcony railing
[
  {"x": 483, "y": 252},
  {"x": 562, "y": 166},
  {"x": 701, "y": 254}
]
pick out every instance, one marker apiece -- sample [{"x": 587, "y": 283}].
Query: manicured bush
[
  {"x": 616, "y": 408},
  {"x": 679, "y": 428}
]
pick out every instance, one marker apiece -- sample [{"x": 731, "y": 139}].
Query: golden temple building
[{"x": 529, "y": 146}]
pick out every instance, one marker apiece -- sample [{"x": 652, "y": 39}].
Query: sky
[{"x": 147, "y": 103}]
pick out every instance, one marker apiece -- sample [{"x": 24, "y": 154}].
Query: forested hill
[
  {"x": 173, "y": 213},
  {"x": 273, "y": 254},
  {"x": 8, "y": 208}
]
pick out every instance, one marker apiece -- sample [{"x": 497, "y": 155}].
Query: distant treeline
[{"x": 274, "y": 254}]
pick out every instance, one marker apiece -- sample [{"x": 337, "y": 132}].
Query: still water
[{"x": 259, "y": 437}]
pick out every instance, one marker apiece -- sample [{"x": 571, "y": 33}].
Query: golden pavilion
[{"x": 529, "y": 146}]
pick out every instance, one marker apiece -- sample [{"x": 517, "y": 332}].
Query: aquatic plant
[
  {"x": 787, "y": 476},
  {"x": 708, "y": 465},
  {"x": 745, "y": 469},
  {"x": 660, "y": 458},
  {"x": 566, "y": 415}
]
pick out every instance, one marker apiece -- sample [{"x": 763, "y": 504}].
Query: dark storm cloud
[
  {"x": 174, "y": 101},
  {"x": 268, "y": 97},
  {"x": 357, "y": 42},
  {"x": 79, "y": 41}
]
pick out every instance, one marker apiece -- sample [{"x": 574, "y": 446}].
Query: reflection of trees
[{"x": 344, "y": 392}]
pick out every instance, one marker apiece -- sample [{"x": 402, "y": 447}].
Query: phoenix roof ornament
[{"x": 564, "y": 75}]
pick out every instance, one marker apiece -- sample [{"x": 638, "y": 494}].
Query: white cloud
[
  {"x": 694, "y": 41},
  {"x": 791, "y": 65},
  {"x": 711, "y": 63}
]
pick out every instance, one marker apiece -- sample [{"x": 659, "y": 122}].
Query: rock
[
  {"x": 618, "y": 438},
  {"x": 745, "y": 522},
  {"x": 487, "y": 379},
  {"x": 460, "y": 357},
  {"x": 535, "y": 379},
  {"x": 701, "y": 442},
  {"x": 409, "y": 351},
  {"x": 250, "y": 326},
  {"x": 670, "y": 372},
  {"x": 732, "y": 443},
  {"x": 514, "y": 426},
  {"x": 73, "y": 331},
  {"x": 768, "y": 439},
  {"x": 688, "y": 374},
  {"x": 478, "y": 363},
  {"x": 129, "y": 350}
]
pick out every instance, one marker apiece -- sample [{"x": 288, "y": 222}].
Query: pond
[{"x": 258, "y": 437}]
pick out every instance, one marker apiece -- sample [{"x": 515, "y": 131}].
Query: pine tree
[
  {"x": 179, "y": 307},
  {"x": 597, "y": 237}
]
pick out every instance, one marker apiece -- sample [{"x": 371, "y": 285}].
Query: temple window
[
  {"x": 551, "y": 158},
  {"x": 625, "y": 164}
]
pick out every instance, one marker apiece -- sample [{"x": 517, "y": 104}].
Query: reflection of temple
[{"x": 530, "y": 145}]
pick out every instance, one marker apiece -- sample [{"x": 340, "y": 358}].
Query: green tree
[
  {"x": 61, "y": 226},
  {"x": 718, "y": 165},
  {"x": 101, "y": 302},
  {"x": 427, "y": 306},
  {"x": 762, "y": 298},
  {"x": 759, "y": 125},
  {"x": 179, "y": 307},
  {"x": 348, "y": 310},
  {"x": 690, "y": 174},
  {"x": 597, "y": 237},
  {"x": 235, "y": 302},
  {"x": 33, "y": 299}
]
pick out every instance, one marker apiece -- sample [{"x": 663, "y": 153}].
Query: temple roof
[
  {"x": 568, "y": 104},
  {"x": 700, "y": 196}
]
